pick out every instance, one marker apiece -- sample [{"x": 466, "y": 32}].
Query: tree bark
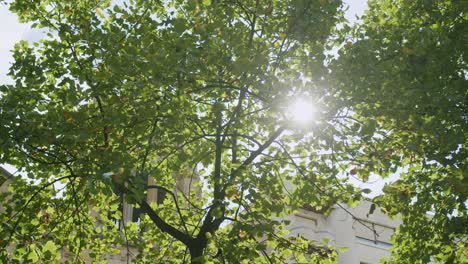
[{"x": 196, "y": 253}]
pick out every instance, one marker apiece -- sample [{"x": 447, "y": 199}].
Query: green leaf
[
  {"x": 49, "y": 247},
  {"x": 371, "y": 209},
  {"x": 33, "y": 257}
]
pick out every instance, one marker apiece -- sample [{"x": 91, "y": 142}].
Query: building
[
  {"x": 5, "y": 177},
  {"x": 365, "y": 237}
]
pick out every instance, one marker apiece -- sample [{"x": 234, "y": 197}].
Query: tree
[
  {"x": 119, "y": 93},
  {"x": 404, "y": 71}
]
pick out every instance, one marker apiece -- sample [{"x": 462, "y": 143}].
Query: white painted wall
[{"x": 350, "y": 231}]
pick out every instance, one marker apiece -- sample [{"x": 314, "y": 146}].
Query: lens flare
[{"x": 302, "y": 111}]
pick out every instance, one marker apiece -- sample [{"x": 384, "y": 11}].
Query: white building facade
[{"x": 365, "y": 237}]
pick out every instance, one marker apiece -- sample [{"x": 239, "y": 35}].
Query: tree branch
[
  {"x": 175, "y": 201},
  {"x": 299, "y": 169},
  {"x": 164, "y": 226},
  {"x": 259, "y": 151}
]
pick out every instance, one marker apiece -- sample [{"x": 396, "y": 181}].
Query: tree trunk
[{"x": 196, "y": 254}]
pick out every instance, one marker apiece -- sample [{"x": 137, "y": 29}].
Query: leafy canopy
[
  {"x": 121, "y": 94},
  {"x": 404, "y": 72}
]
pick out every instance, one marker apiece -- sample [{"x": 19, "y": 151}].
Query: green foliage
[
  {"x": 404, "y": 71},
  {"x": 117, "y": 94},
  {"x": 121, "y": 94}
]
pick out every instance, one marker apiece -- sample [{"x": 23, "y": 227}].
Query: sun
[{"x": 302, "y": 111}]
